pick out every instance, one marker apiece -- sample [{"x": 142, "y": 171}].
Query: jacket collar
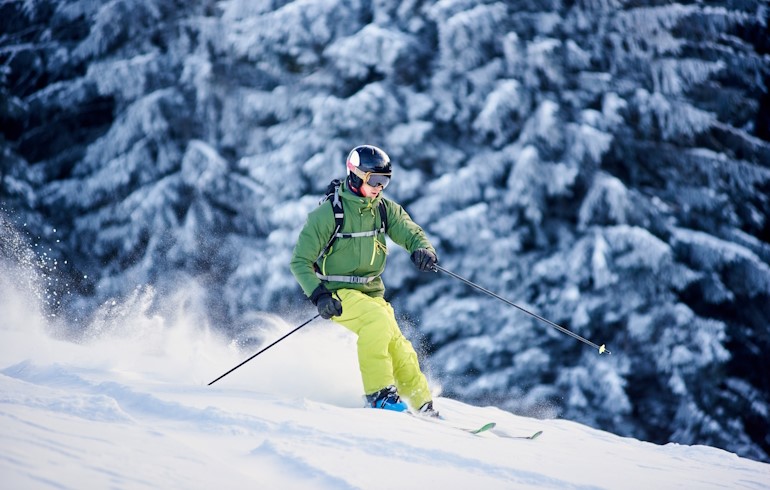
[{"x": 357, "y": 201}]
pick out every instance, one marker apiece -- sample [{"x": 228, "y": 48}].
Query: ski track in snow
[
  {"x": 113, "y": 402},
  {"x": 131, "y": 410},
  {"x": 113, "y": 433}
]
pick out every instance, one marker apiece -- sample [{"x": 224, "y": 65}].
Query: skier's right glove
[{"x": 327, "y": 305}]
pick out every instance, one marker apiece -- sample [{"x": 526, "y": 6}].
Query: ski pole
[
  {"x": 602, "y": 349},
  {"x": 263, "y": 350}
]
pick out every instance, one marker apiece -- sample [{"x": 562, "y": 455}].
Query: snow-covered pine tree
[
  {"x": 622, "y": 112},
  {"x": 689, "y": 150},
  {"x": 110, "y": 127},
  {"x": 600, "y": 162}
]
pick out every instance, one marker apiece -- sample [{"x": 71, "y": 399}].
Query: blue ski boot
[{"x": 388, "y": 399}]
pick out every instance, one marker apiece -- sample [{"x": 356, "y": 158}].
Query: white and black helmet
[{"x": 367, "y": 164}]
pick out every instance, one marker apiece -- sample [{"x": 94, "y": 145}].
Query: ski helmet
[{"x": 367, "y": 164}]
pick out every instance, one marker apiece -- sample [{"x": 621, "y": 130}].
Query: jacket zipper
[
  {"x": 374, "y": 249},
  {"x": 323, "y": 264}
]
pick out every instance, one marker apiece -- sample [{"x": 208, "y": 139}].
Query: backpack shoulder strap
[
  {"x": 333, "y": 195},
  {"x": 383, "y": 216}
]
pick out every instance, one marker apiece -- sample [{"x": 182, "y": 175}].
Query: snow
[{"x": 129, "y": 406}]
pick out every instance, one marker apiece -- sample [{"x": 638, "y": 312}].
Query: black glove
[
  {"x": 327, "y": 305},
  {"x": 424, "y": 259}
]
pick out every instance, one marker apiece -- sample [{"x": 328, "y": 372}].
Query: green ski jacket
[{"x": 358, "y": 256}]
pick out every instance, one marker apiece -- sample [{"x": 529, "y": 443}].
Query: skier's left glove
[{"x": 424, "y": 259}]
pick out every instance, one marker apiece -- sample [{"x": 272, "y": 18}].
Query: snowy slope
[{"x": 130, "y": 408}]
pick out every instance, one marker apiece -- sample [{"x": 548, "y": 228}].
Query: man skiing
[{"x": 338, "y": 260}]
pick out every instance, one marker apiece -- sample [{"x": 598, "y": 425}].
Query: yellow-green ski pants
[{"x": 385, "y": 356}]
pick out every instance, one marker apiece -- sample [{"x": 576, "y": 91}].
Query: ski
[
  {"x": 442, "y": 421},
  {"x": 508, "y": 436},
  {"x": 535, "y": 435},
  {"x": 487, "y": 427},
  {"x": 483, "y": 428}
]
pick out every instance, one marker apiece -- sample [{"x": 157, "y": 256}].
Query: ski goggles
[{"x": 371, "y": 178}]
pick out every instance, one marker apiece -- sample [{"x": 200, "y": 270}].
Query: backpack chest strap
[
  {"x": 361, "y": 233},
  {"x": 349, "y": 279}
]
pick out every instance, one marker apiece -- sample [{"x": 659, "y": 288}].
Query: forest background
[{"x": 604, "y": 163}]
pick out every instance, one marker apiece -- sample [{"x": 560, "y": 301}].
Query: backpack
[{"x": 333, "y": 193}]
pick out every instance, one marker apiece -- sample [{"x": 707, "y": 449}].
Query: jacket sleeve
[
  {"x": 313, "y": 237},
  {"x": 403, "y": 231}
]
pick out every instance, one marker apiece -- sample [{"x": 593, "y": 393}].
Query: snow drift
[{"x": 128, "y": 406}]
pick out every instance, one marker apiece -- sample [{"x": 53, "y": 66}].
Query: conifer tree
[{"x": 603, "y": 163}]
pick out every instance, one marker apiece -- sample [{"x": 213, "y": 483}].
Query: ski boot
[
  {"x": 388, "y": 399},
  {"x": 427, "y": 410}
]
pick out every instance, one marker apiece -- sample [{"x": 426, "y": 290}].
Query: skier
[{"x": 337, "y": 261}]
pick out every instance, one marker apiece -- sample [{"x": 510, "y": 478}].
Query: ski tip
[
  {"x": 483, "y": 428},
  {"x": 536, "y": 435}
]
